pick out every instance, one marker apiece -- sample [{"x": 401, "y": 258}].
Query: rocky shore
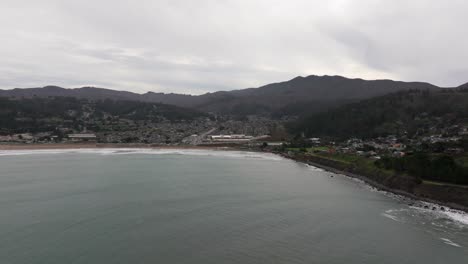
[{"x": 447, "y": 195}]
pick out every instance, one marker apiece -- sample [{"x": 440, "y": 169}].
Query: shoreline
[
  {"x": 365, "y": 179},
  {"x": 381, "y": 187},
  {"x": 104, "y": 145}
]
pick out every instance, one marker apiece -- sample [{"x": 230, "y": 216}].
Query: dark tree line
[{"x": 437, "y": 168}]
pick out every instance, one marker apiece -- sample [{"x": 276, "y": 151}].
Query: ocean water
[{"x": 200, "y": 206}]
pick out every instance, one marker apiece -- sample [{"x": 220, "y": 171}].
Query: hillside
[
  {"x": 306, "y": 94},
  {"x": 294, "y": 97},
  {"x": 83, "y": 93},
  {"x": 413, "y": 112},
  {"x": 46, "y": 114}
]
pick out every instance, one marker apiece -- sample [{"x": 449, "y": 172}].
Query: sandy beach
[{"x": 102, "y": 145}]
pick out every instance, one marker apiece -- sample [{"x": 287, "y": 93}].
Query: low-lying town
[
  {"x": 195, "y": 132},
  {"x": 254, "y": 129}
]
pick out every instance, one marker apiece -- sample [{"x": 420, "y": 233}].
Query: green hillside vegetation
[
  {"x": 45, "y": 114},
  {"x": 438, "y": 168},
  {"x": 441, "y": 168},
  {"x": 410, "y": 113}
]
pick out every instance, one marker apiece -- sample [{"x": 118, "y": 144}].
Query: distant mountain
[
  {"x": 463, "y": 86},
  {"x": 299, "y": 96},
  {"x": 413, "y": 112},
  {"x": 303, "y": 95},
  {"x": 84, "y": 93}
]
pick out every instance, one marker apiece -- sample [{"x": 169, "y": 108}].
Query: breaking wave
[
  {"x": 449, "y": 242},
  {"x": 130, "y": 151},
  {"x": 439, "y": 217},
  {"x": 439, "y": 214},
  {"x": 313, "y": 168}
]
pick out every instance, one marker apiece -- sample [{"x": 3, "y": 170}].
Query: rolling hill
[
  {"x": 405, "y": 112},
  {"x": 299, "y": 96},
  {"x": 46, "y": 114}
]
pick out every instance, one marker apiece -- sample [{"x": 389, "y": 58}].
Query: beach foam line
[
  {"x": 145, "y": 151},
  {"x": 457, "y": 216},
  {"x": 394, "y": 218},
  {"x": 313, "y": 168},
  {"x": 454, "y": 215}
]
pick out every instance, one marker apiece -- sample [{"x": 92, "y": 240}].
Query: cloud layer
[{"x": 208, "y": 45}]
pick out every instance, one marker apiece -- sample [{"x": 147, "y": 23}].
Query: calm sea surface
[{"x": 182, "y": 206}]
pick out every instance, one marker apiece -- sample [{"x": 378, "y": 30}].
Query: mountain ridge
[{"x": 326, "y": 91}]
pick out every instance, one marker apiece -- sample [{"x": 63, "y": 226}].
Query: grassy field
[
  {"x": 444, "y": 184},
  {"x": 350, "y": 160},
  {"x": 364, "y": 164}
]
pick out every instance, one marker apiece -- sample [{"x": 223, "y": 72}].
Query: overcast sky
[{"x": 197, "y": 46}]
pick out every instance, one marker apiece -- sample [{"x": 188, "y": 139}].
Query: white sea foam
[
  {"x": 448, "y": 219},
  {"x": 457, "y": 216},
  {"x": 393, "y": 217},
  {"x": 313, "y": 168},
  {"x": 418, "y": 207},
  {"x": 130, "y": 151},
  {"x": 435, "y": 210},
  {"x": 449, "y": 242}
]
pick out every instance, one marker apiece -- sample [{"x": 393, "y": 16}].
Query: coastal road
[{"x": 196, "y": 140}]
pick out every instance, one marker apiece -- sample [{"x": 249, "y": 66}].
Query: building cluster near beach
[
  {"x": 250, "y": 131},
  {"x": 395, "y": 146},
  {"x": 103, "y": 122},
  {"x": 195, "y": 132},
  {"x": 193, "y": 139}
]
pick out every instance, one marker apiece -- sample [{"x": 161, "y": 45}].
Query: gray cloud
[{"x": 207, "y": 45}]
